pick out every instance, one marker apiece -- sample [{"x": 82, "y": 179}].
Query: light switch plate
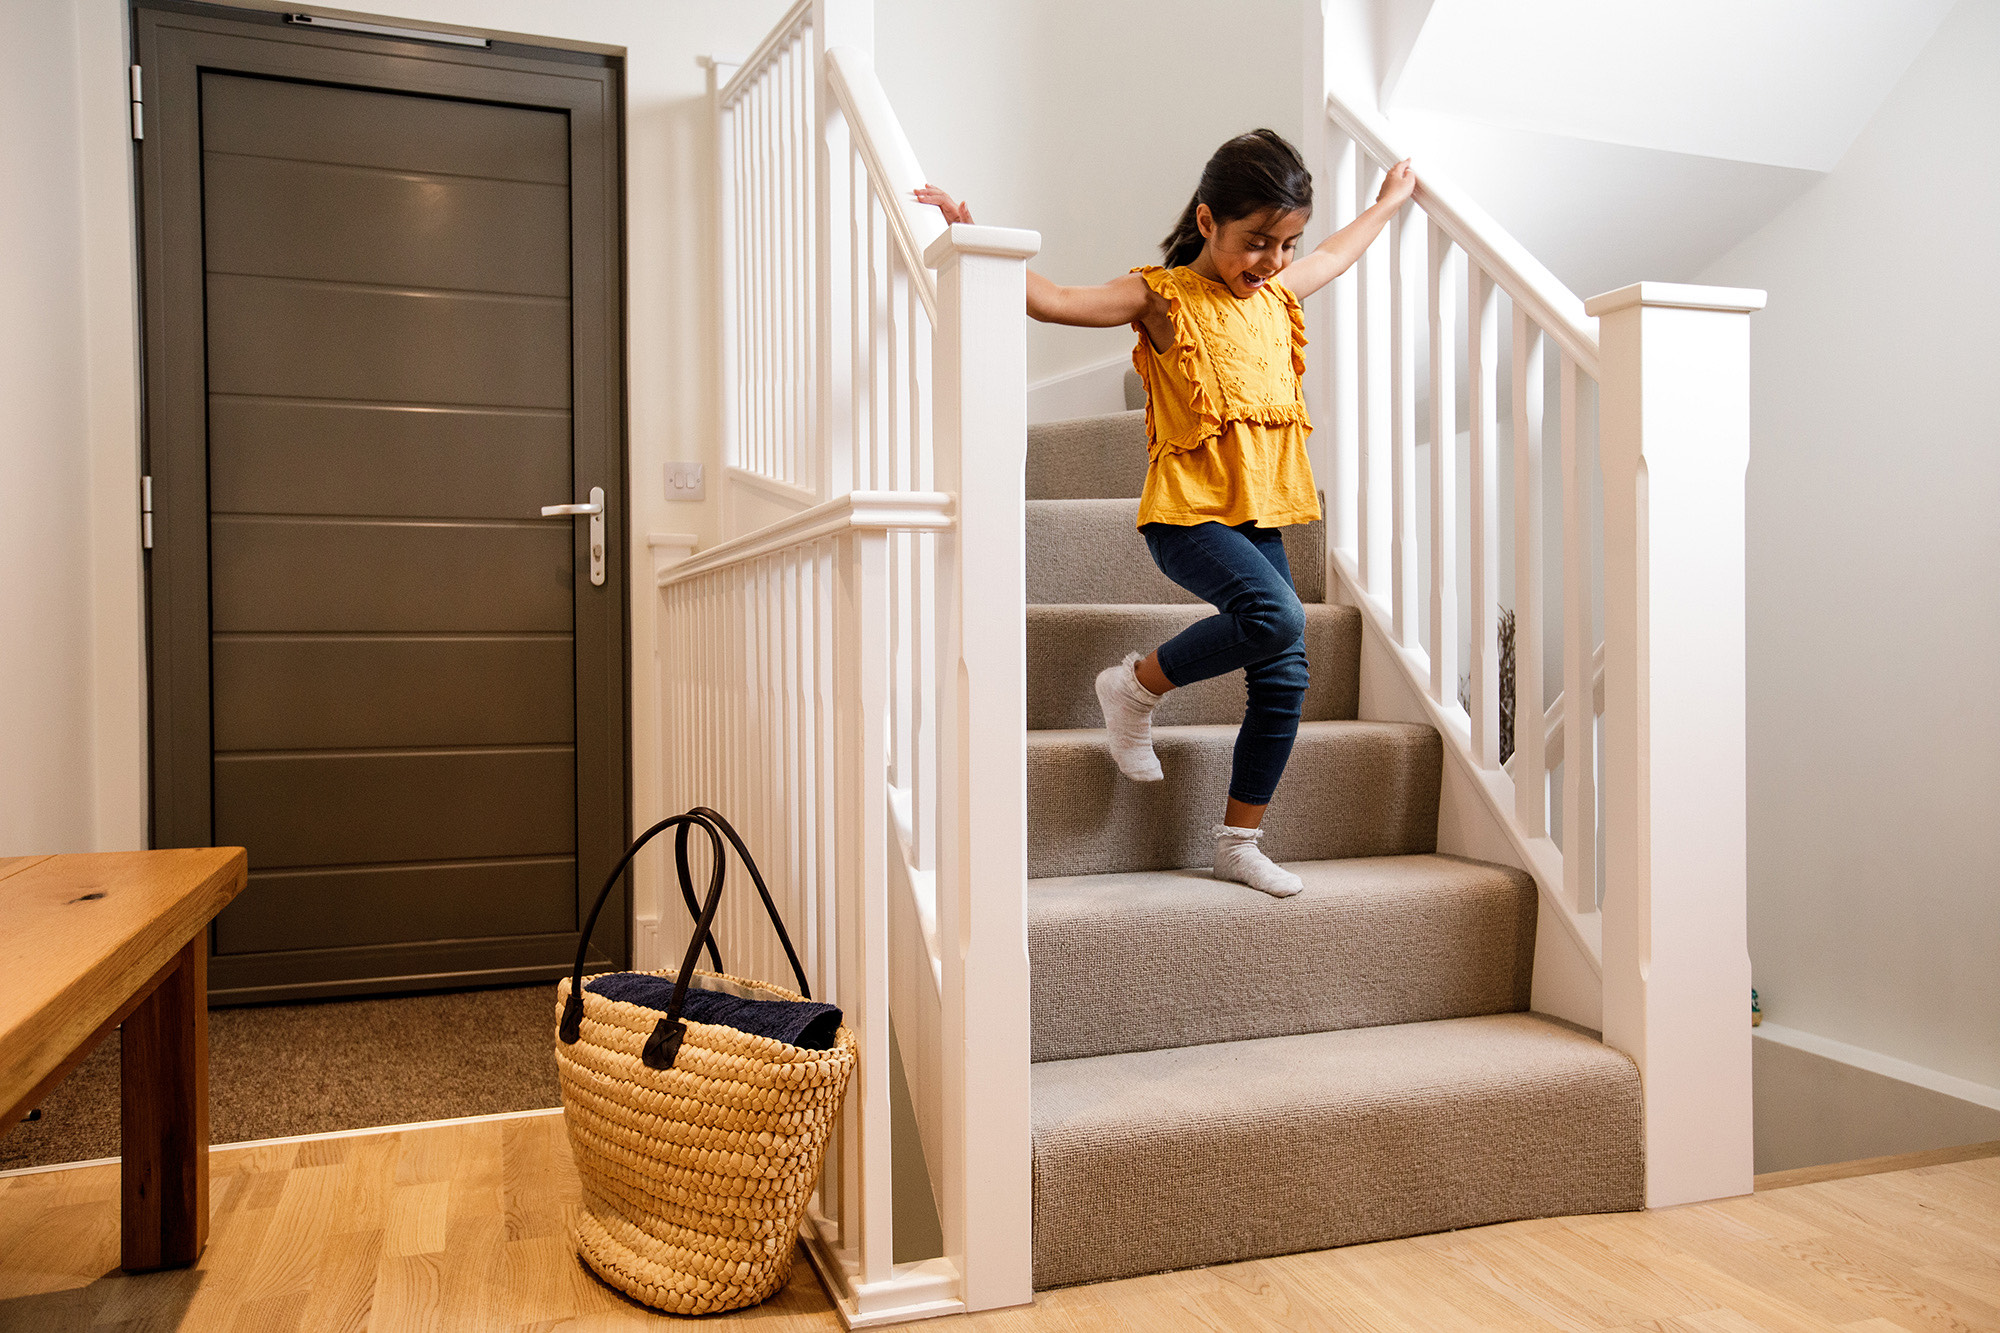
[{"x": 684, "y": 481}]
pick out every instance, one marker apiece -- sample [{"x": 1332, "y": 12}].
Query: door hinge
[
  {"x": 138, "y": 106},
  {"x": 146, "y": 513}
]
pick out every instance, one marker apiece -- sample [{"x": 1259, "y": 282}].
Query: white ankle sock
[
  {"x": 1128, "y": 720},
  {"x": 1238, "y": 858}
]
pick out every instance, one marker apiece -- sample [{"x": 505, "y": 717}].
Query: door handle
[{"x": 595, "y": 511}]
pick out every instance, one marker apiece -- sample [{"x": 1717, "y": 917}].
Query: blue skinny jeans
[{"x": 1242, "y": 572}]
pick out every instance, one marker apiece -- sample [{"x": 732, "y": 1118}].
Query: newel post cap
[
  {"x": 1679, "y": 295},
  {"x": 965, "y": 238}
]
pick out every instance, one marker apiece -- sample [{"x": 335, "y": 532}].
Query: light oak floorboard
[{"x": 463, "y": 1229}]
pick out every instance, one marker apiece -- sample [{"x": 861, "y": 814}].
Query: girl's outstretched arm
[
  {"x": 1107, "y": 305},
  {"x": 1334, "y": 255}
]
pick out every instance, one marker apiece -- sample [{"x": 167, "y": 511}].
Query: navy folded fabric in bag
[{"x": 804, "y": 1023}]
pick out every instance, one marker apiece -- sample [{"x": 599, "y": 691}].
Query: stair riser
[
  {"x": 1088, "y": 458},
  {"x": 1091, "y": 551},
  {"x": 1351, "y": 789},
  {"x": 1069, "y": 645},
  {"x": 1197, "y": 961},
  {"x": 1219, "y": 1154}
]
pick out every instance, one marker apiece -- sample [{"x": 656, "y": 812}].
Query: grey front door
[{"x": 383, "y": 332}]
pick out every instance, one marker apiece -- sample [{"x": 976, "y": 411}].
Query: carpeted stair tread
[
  {"x": 1352, "y": 789},
  {"x": 1166, "y": 1159},
  {"x": 1091, "y": 551},
  {"x": 1069, "y": 644},
  {"x": 1087, "y": 458},
  {"x": 1145, "y": 960}
]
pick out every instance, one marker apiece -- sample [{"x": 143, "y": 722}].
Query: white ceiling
[
  {"x": 1784, "y": 83},
  {"x": 1601, "y": 215}
]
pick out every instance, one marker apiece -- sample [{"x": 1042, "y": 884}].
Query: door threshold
[{"x": 365, "y": 1132}]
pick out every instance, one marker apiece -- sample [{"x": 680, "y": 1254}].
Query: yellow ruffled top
[{"x": 1226, "y": 422}]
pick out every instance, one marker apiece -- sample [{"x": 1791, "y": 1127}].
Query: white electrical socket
[{"x": 684, "y": 481}]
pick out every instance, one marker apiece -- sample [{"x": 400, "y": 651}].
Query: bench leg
[{"x": 164, "y": 1072}]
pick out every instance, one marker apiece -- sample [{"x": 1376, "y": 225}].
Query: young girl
[{"x": 1221, "y": 352}]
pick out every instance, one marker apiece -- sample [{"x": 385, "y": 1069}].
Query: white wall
[
  {"x": 1086, "y": 122},
  {"x": 44, "y": 468},
  {"x": 71, "y": 688},
  {"x": 1874, "y": 577}
]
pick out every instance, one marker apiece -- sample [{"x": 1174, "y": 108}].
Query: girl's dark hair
[{"x": 1252, "y": 173}]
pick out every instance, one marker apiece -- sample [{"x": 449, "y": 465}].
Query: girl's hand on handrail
[
  {"x": 1337, "y": 253},
  {"x": 1397, "y": 185},
  {"x": 953, "y": 211}
]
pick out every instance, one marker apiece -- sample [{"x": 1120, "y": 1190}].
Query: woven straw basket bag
[{"x": 698, "y": 1145}]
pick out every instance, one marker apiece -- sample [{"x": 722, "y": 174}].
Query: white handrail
[
  {"x": 892, "y": 165},
  {"x": 1557, "y": 309},
  {"x": 797, "y": 19},
  {"x": 901, "y": 511}
]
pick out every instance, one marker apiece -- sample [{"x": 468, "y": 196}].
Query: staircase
[
  {"x": 1220, "y": 1075},
  {"x": 1105, "y": 1062}
]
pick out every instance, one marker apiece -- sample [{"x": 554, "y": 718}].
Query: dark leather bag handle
[{"x": 665, "y": 1042}]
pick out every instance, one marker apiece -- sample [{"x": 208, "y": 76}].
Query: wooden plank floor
[{"x": 462, "y": 1228}]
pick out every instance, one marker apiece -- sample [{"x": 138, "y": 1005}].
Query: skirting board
[
  {"x": 1087, "y": 392},
  {"x": 1819, "y": 1101}
]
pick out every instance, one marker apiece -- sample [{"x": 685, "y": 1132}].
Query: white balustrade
[
  {"x": 766, "y": 127},
  {"x": 821, "y": 680},
  {"x": 1667, "y": 945}
]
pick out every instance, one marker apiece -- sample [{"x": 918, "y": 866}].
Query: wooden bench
[{"x": 88, "y": 942}]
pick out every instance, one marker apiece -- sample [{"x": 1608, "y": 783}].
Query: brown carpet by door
[{"x": 283, "y": 1069}]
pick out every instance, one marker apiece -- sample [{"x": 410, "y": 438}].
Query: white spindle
[
  {"x": 1483, "y": 347},
  {"x": 1444, "y": 473},
  {"x": 1342, "y": 428},
  {"x": 868, "y": 904},
  {"x": 740, "y": 309},
  {"x": 782, "y": 327},
  {"x": 923, "y": 477},
  {"x": 1405, "y": 284},
  {"x": 1530, "y": 758},
  {"x": 731, "y": 253},
  {"x": 774, "y": 283},
  {"x": 760, "y": 281},
  {"x": 1373, "y": 536},
  {"x": 774, "y": 147},
  {"x": 798, "y": 323},
  {"x": 826, "y": 733},
  {"x": 882, "y": 350},
  {"x": 788, "y": 851},
  {"x": 1579, "y": 636}
]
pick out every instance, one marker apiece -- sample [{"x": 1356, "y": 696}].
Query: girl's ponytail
[
  {"x": 1258, "y": 172},
  {"x": 1184, "y": 242}
]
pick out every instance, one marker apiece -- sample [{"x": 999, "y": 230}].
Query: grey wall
[{"x": 1811, "y": 1110}]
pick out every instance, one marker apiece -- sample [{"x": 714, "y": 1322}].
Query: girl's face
[{"x": 1245, "y": 254}]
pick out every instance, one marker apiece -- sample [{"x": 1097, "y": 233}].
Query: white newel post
[
  {"x": 979, "y": 360},
  {"x": 1675, "y": 440}
]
